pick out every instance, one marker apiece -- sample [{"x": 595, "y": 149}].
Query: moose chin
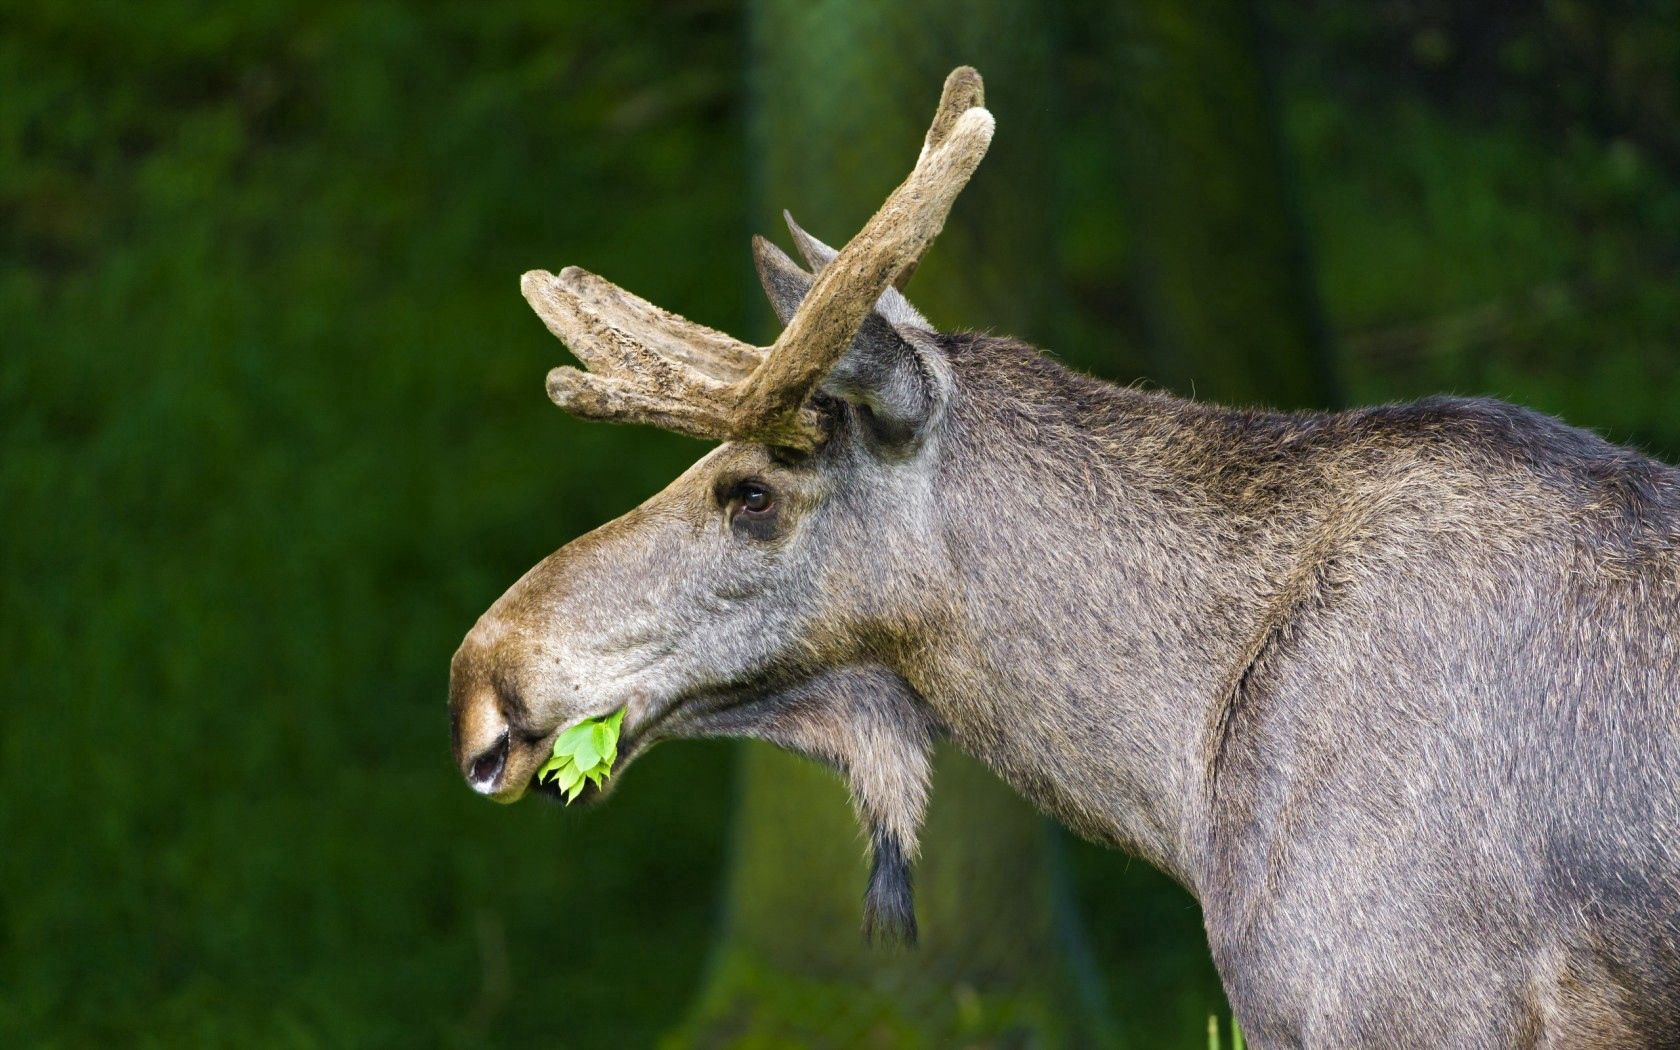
[{"x": 1394, "y": 692}]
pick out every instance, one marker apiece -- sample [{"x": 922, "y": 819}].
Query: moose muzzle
[{"x": 494, "y": 756}]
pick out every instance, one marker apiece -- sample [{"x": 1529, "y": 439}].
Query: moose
[{"x": 1394, "y": 692}]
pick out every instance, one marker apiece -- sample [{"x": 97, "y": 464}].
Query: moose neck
[{"x": 1114, "y": 552}]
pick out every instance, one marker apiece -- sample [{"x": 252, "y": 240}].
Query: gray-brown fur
[{"x": 1394, "y": 692}]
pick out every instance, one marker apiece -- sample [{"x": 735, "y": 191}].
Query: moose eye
[
  {"x": 751, "y": 509},
  {"x": 755, "y": 500}
]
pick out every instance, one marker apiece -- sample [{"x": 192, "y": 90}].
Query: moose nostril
[{"x": 487, "y": 767}]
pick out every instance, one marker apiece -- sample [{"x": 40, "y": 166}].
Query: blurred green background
[{"x": 273, "y": 432}]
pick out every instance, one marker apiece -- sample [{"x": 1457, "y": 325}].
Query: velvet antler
[{"x": 647, "y": 365}]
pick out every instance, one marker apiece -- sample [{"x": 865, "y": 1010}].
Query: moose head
[{"x": 776, "y": 588}]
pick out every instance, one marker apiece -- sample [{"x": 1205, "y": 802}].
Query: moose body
[{"x": 1394, "y": 692}]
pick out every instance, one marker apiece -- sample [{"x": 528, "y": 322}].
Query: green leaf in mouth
[{"x": 584, "y": 753}]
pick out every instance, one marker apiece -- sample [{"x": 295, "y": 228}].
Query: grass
[{"x": 1214, "y": 1042}]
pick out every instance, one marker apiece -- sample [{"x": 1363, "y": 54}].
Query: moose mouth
[
  {"x": 649, "y": 721},
  {"x": 637, "y": 736}
]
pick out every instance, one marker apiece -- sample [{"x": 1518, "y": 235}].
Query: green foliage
[
  {"x": 272, "y": 435},
  {"x": 1478, "y": 260},
  {"x": 585, "y": 752}
]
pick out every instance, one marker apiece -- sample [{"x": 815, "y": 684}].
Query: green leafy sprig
[{"x": 585, "y": 752}]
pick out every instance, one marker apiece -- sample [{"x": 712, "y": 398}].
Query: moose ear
[
  {"x": 785, "y": 283},
  {"x": 890, "y": 373}
]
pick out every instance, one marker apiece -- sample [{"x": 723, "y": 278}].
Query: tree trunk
[
  {"x": 1230, "y": 306},
  {"x": 842, "y": 95}
]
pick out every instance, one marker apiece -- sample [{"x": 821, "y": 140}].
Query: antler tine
[
  {"x": 612, "y": 330},
  {"x": 963, "y": 91},
  {"x": 890, "y": 243},
  {"x": 617, "y": 400}
]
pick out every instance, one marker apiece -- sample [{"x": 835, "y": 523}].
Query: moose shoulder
[{"x": 1394, "y": 692}]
